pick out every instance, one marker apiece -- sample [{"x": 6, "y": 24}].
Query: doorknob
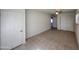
[{"x": 21, "y": 30}]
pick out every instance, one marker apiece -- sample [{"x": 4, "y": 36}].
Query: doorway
[{"x": 53, "y": 22}]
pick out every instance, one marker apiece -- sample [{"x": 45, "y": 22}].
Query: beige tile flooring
[{"x": 51, "y": 40}]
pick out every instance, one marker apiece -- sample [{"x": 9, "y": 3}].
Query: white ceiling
[{"x": 52, "y": 11}]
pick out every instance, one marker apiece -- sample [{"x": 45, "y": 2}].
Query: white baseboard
[{"x": 37, "y": 33}]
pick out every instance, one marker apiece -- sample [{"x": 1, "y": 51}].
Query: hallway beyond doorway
[{"x": 53, "y": 22}]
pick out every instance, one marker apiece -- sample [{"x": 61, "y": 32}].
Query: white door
[
  {"x": 67, "y": 21},
  {"x": 12, "y": 28}
]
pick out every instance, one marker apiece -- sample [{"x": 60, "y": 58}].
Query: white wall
[
  {"x": 59, "y": 21},
  {"x": 67, "y": 21},
  {"x": 12, "y": 23},
  {"x": 36, "y": 22}
]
